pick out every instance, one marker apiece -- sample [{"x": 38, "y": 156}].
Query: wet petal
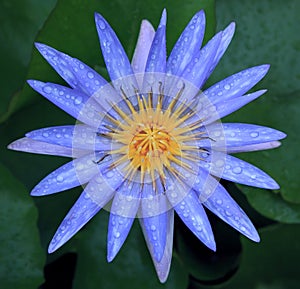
[
  {"x": 38, "y": 147},
  {"x": 89, "y": 203},
  {"x": 73, "y": 102},
  {"x": 221, "y": 109},
  {"x": 238, "y": 171},
  {"x": 191, "y": 212},
  {"x": 122, "y": 214},
  {"x": 255, "y": 147},
  {"x": 142, "y": 48},
  {"x": 240, "y": 134},
  {"x": 155, "y": 225},
  {"x": 116, "y": 60},
  {"x": 222, "y": 205},
  {"x": 70, "y": 175},
  {"x": 162, "y": 267},
  {"x": 227, "y": 35},
  {"x": 188, "y": 44},
  {"x": 197, "y": 70},
  {"x": 156, "y": 61},
  {"x": 77, "y": 137},
  {"x": 77, "y": 74},
  {"x": 236, "y": 85}
]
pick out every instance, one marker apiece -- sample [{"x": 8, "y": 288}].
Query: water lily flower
[{"x": 150, "y": 142}]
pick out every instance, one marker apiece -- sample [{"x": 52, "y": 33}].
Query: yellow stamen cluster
[{"x": 153, "y": 138}]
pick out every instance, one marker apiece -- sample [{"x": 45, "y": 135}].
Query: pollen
[{"x": 153, "y": 138}]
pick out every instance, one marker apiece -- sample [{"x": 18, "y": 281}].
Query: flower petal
[
  {"x": 76, "y": 137},
  {"x": 238, "y": 171},
  {"x": 142, "y": 48},
  {"x": 77, "y": 74},
  {"x": 236, "y": 85},
  {"x": 116, "y": 60},
  {"x": 122, "y": 214},
  {"x": 94, "y": 197},
  {"x": 162, "y": 267},
  {"x": 197, "y": 70},
  {"x": 156, "y": 61},
  {"x": 222, "y": 205},
  {"x": 82, "y": 211},
  {"x": 255, "y": 147},
  {"x": 187, "y": 45},
  {"x": 70, "y": 175},
  {"x": 191, "y": 212},
  {"x": 38, "y": 147},
  {"x": 239, "y": 134},
  {"x": 73, "y": 102},
  {"x": 213, "y": 112},
  {"x": 155, "y": 225},
  {"x": 227, "y": 35}
]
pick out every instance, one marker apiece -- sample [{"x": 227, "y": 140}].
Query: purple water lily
[{"x": 150, "y": 142}]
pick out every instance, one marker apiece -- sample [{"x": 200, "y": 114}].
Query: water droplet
[
  {"x": 61, "y": 92},
  {"x": 109, "y": 175},
  {"x": 153, "y": 228},
  {"x": 185, "y": 214},
  {"x": 90, "y": 75},
  {"x": 117, "y": 234},
  {"x": 243, "y": 228},
  {"x": 237, "y": 170},
  {"x": 254, "y": 134},
  {"x": 228, "y": 213},
  {"x": 185, "y": 39},
  {"x": 101, "y": 24},
  {"x": 47, "y": 89},
  {"x": 78, "y": 100},
  {"x": 219, "y": 202},
  {"x": 58, "y": 135},
  {"x": 60, "y": 178},
  {"x": 45, "y": 134},
  {"x": 227, "y": 86}
]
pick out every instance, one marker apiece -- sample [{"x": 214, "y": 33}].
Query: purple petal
[
  {"x": 238, "y": 171},
  {"x": 77, "y": 74},
  {"x": 82, "y": 211},
  {"x": 73, "y": 102},
  {"x": 162, "y": 267},
  {"x": 143, "y": 46},
  {"x": 227, "y": 35},
  {"x": 197, "y": 70},
  {"x": 240, "y": 134},
  {"x": 155, "y": 224},
  {"x": 70, "y": 175},
  {"x": 255, "y": 147},
  {"x": 236, "y": 85},
  {"x": 123, "y": 212},
  {"x": 156, "y": 61},
  {"x": 116, "y": 60},
  {"x": 221, "y": 109},
  {"x": 222, "y": 205},
  {"x": 77, "y": 137},
  {"x": 94, "y": 197},
  {"x": 188, "y": 44},
  {"x": 33, "y": 146},
  {"x": 191, "y": 212}
]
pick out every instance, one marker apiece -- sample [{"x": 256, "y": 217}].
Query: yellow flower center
[{"x": 153, "y": 138}]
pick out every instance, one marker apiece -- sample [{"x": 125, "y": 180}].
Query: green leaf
[
  {"x": 266, "y": 32},
  {"x": 272, "y": 205},
  {"x": 21, "y": 255},
  {"x": 132, "y": 268},
  {"x": 20, "y": 22},
  {"x": 272, "y": 264}
]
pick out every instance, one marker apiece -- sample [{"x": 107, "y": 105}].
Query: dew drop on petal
[
  {"x": 109, "y": 175},
  {"x": 60, "y": 178},
  {"x": 237, "y": 170},
  {"x": 227, "y": 86},
  {"x": 78, "y": 100},
  {"x": 254, "y": 134},
  {"x": 153, "y": 228},
  {"x": 219, "y": 202},
  {"x": 90, "y": 75},
  {"x": 102, "y": 24},
  {"x": 117, "y": 234},
  {"x": 45, "y": 134},
  {"x": 47, "y": 89}
]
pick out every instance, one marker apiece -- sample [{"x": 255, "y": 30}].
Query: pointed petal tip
[
  {"x": 163, "y": 20},
  {"x": 110, "y": 257}
]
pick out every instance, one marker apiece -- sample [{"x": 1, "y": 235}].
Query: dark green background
[{"x": 267, "y": 32}]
